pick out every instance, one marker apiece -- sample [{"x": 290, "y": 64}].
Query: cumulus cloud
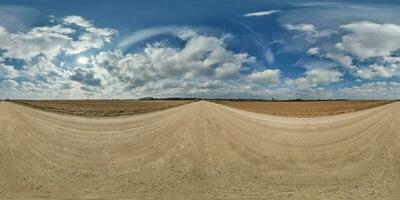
[
  {"x": 266, "y": 76},
  {"x": 27, "y": 86},
  {"x": 261, "y": 13},
  {"x": 50, "y": 41},
  {"x": 365, "y": 49},
  {"x": 9, "y": 84},
  {"x": 86, "y": 76},
  {"x": 391, "y": 59},
  {"x": 342, "y": 59},
  {"x": 198, "y": 65},
  {"x": 201, "y": 56},
  {"x": 37, "y": 51},
  {"x": 369, "y": 49},
  {"x": 43, "y": 69},
  {"x": 378, "y": 71},
  {"x": 368, "y": 39},
  {"x": 372, "y": 90},
  {"x": 316, "y": 77},
  {"x": 7, "y": 71}
]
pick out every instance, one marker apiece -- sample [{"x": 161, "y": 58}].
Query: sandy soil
[
  {"x": 306, "y": 108},
  {"x": 199, "y": 150},
  {"x": 102, "y": 108}
]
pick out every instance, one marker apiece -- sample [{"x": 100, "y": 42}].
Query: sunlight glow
[{"x": 82, "y": 60}]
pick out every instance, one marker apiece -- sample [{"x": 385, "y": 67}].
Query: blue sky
[{"x": 232, "y": 49}]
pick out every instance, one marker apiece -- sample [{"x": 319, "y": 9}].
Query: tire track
[{"x": 199, "y": 150}]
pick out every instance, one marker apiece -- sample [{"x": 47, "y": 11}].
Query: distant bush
[{"x": 147, "y": 98}]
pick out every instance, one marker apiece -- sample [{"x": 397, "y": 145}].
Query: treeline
[
  {"x": 241, "y": 99},
  {"x": 171, "y": 98}
]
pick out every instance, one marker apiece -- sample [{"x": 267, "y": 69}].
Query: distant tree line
[
  {"x": 171, "y": 98},
  {"x": 241, "y": 99}
]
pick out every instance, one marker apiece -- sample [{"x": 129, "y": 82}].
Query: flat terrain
[
  {"x": 102, "y": 108},
  {"x": 304, "y": 109},
  {"x": 200, "y": 150}
]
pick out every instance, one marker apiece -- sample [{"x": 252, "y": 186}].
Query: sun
[{"x": 82, "y": 60}]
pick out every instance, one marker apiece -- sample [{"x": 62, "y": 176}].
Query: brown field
[
  {"x": 199, "y": 150},
  {"x": 306, "y": 108},
  {"x": 102, "y": 108}
]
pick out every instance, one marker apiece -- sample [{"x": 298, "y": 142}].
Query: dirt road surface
[{"x": 199, "y": 150}]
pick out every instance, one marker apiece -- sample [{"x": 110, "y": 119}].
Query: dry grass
[
  {"x": 102, "y": 108},
  {"x": 305, "y": 109}
]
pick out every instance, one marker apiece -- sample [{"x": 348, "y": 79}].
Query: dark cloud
[{"x": 86, "y": 77}]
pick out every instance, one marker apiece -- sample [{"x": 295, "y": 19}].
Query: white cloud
[
  {"x": 40, "y": 73},
  {"x": 261, "y": 13},
  {"x": 334, "y": 16},
  {"x": 7, "y": 71},
  {"x": 50, "y": 41},
  {"x": 43, "y": 69},
  {"x": 362, "y": 40},
  {"x": 323, "y": 76},
  {"x": 316, "y": 77},
  {"x": 9, "y": 84},
  {"x": 266, "y": 76},
  {"x": 82, "y": 60},
  {"x": 145, "y": 34},
  {"x": 368, "y": 39},
  {"x": 202, "y": 56},
  {"x": 202, "y": 65},
  {"x": 27, "y": 86},
  {"x": 308, "y": 28},
  {"x": 372, "y": 90},
  {"x": 313, "y": 51},
  {"x": 378, "y": 71},
  {"x": 45, "y": 40},
  {"x": 310, "y": 31},
  {"x": 77, "y": 20},
  {"x": 92, "y": 37},
  {"x": 344, "y": 60},
  {"x": 391, "y": 59},
  {"x": 211, "y": 85},
  {"x": 300, "y": 38}
]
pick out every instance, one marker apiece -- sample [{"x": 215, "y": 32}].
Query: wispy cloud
[
  {"x": 145, "y": 34},
  {"x": 261, "y": 13}
]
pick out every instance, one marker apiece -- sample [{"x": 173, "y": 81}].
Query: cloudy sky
[{"x": 226, "y": 48}]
